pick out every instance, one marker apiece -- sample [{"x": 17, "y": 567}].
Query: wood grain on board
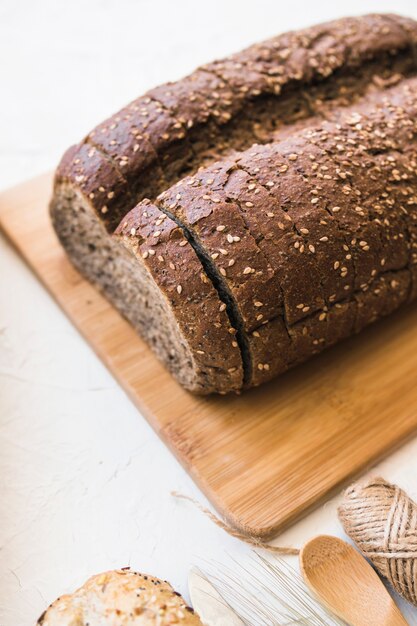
[{"x": 265, "y": 457}]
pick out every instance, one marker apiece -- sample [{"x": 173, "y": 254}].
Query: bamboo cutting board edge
[{"x": 22, "y": 215}]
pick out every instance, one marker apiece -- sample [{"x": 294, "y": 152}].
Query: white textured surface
[{"x": 85, "y": 484}]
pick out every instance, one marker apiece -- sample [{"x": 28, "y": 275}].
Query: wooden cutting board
[{"x": 266, "y": 457}]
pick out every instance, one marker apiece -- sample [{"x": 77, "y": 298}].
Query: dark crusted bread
[
  {"x": 121, "y": 598},
  {"x": 328, "y": 211},
  {"x": 279, "y": 213}
]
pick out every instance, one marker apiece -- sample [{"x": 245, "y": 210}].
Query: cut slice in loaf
[
  {"x": 176, "y": 308},
  {"x": 152, "y": 275}
]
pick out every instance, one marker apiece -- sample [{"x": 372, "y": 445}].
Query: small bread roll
[{"x": 121, "y": 598}]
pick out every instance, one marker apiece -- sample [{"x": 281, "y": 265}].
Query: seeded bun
[{"x": 120, "y": 598}]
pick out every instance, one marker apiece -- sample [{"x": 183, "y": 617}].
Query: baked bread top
[
  {"x": 231, "y": 104},
  {"x": 121, "y": 598}
]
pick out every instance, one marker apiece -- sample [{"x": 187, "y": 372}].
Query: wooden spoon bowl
[{"x": 347, "y": 584}]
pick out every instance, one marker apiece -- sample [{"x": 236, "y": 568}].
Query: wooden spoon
[{"x": 346, "y": 583}]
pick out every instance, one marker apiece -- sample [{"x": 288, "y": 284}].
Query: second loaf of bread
[{"x": 268, "y": 232}]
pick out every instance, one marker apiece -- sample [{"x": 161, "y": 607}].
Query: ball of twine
[{"x": 382, "y": 521}]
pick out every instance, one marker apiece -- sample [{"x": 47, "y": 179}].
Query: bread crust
[
  {"x": 121, "y": 598},
  {"x": 219, "y": 228}
]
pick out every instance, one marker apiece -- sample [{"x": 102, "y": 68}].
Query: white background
[{"x": 84, "y": 482}]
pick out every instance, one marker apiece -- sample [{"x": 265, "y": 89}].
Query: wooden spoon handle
[{"x": 396, "y": 619}]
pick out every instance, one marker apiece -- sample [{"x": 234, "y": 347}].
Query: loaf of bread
[
  {"x": 259, "y": 210},
  {"x": 120, "y": 598}
]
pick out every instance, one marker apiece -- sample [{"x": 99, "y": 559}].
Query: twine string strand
[{"x": 249, "y": 539}]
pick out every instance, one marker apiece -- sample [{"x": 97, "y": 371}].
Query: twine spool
[{"x": 382, "y": 521}]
